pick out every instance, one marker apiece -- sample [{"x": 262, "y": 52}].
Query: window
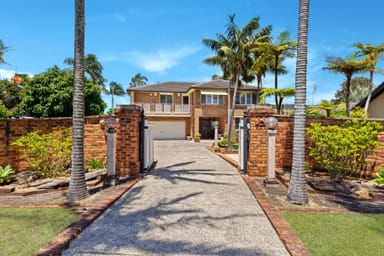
[
  {"x": 212, "y": 99},
  {"x": 166, "y": 98},
  {"x": 246, "y": 98}
]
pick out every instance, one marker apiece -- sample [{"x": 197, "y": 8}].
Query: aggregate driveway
[{"x": 193, "y": 203}]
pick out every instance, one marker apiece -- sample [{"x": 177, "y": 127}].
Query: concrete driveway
[{"x": 193, "y": 203}]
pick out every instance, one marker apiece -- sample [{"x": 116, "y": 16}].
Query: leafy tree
[
  {"x": 4, "y": 113},
  {"x": 138, "y": 80},
  {"x": 297, "y": 191},
  {"x": 50, "y": 94},
  {"x": 92, "y": 67},
  {"x": 348, "y": 67},
  {"x": 359, "y": 89},
  {"x": 10, "y": 94},
  {"x": 115, "y": 89},
  {"x": 280, "y": 94},
  {"x": 278, "y": 51},
  {"x": 372, "y": 55},
  {"x": 3, "y": 49},
  {"x": 77, "y": 187},
  {"x": 233, "y": 54}
]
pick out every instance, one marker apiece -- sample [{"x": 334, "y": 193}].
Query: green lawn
[
  {"x": 25, "y": 230},
  {"x": 339, "y": 234}
]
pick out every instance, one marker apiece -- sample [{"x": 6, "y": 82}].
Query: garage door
[{"x": 168, "y": 130}]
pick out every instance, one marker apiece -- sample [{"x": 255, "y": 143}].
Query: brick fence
[
  {"x": 95, "y": 143},
  {"x": 258, "y": 151}
]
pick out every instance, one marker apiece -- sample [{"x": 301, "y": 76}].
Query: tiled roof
[
  {"x": 221, "y": 84},
  {"x": 186, "y": 86},
  {"x": 165, "y": 87},
  {"x": 379, "y": 90}
]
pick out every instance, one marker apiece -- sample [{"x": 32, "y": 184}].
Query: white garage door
[{"x": 168, "y": 130}]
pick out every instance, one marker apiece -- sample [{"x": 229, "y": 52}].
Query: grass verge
[
  {"x": 25, "y": 230},
  {"x": 339, "y": 234}
]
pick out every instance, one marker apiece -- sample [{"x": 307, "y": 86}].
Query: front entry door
[{"x": 205, "y": 127}]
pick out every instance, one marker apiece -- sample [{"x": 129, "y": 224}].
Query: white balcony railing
[{"x": 159, "y": 108}]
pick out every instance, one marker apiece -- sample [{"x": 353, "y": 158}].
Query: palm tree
[
  {"x": 92, "y": 67},
  {"x": 234, "y": 55},
  {"x": 261, "y": 65},
  {"x": 138, "y": 80},
  {"x": 372, "y": 55},
  {"x": 115, "y": 89},
  {"x": 77, "y": 187},
  {"x": 3, "y": 49},
  {"x": 280, "y": 94},
  {"x": 327, "y": 106},
  {"x": 297, "y": 192},
  {"x": 279, "y": 51},
  {"x": 348, "y": 67}
]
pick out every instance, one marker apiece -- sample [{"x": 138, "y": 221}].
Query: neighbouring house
[
  {"x": 178, "y": 110},
  {"x": 376, "y": 105}
]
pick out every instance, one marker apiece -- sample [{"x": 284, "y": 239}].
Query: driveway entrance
[{"x": 193, "y": 203}]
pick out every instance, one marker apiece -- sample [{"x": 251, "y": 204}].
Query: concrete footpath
[{"x": 193, "y": 203}]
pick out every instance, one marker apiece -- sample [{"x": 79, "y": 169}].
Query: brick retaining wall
[
  {"x": 95, "y": 144},
  {"x": 258, "y": 151}
]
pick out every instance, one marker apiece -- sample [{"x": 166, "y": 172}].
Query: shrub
[
  {"x": 6, "y": 174},
  {"x": 4, "y": 113},
  {"x": 379, "y": 177},
  {"x": 342, "y": 150},
  {"x": 48, "y": 155},
  {"x": 358, "y": 113},
  {"x": 95, "y": 164},
  {"x": 224, "y": 142}
]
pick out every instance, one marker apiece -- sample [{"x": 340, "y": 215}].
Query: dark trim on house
[{"x": 379, "y": 90}]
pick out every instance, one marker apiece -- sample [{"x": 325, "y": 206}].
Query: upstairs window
[
  {"x": 166, "y": 99},
  {"x": 211, "y": 99},
  {"x": 246, "y": 98}
]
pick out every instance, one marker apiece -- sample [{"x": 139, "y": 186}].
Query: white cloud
[
  {"x": 6, "y": 74},
  {"x": 161, "y": 60}
]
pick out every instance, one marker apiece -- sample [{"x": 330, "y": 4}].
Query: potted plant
[{"x": 197, "y": 137}]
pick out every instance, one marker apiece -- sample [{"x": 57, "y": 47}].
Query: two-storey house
[{"x": 180, "y": 109}]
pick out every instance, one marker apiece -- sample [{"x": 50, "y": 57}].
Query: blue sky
[{"x": 163, "y": 39}]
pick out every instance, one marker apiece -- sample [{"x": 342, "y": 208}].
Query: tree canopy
[{"x": 50, "y": 94}]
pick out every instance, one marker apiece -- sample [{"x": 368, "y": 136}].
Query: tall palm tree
[
  {"x": 261, "y": 65},
  {"x": 297, "y": 192},
  {"x": 279, "y": 50},
  {"x": 372, "y": 55},
  {"x": 77, "y": 187},
  {"x": 348, "y": 67},
  {"x": 3, "y": 49},
  {"x": 92, "y": 67},
  {"x": 115, "y": 89},
  {"x": 281, "y": 95},
  {"x": 233, "y": 55},
  {"x": 138, "y": 80}
]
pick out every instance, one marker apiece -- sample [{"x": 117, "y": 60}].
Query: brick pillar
[
  {"x": 258, "y": 141},
  {"x": 128, "y": 140}
]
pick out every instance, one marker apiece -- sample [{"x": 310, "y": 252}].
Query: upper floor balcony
[{"x": 165, "y": 109}]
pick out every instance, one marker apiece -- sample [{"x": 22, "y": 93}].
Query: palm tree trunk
[
  {"x": 276, "y": 81},
  {"x": 297, "y": 192},
  {"x": 348, "y": 96},
  {"x": 229, "y": 145},
  {"x": 366, "y": 107},
  {"x": 77, "y": 187}
]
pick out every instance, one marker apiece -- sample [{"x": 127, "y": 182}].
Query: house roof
[
  {"x": 165, "y": 87},
  {"x": 186, "y": 86},
  {"x": 221, "y": 84},
  {"x": 379, "y": 90}
]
